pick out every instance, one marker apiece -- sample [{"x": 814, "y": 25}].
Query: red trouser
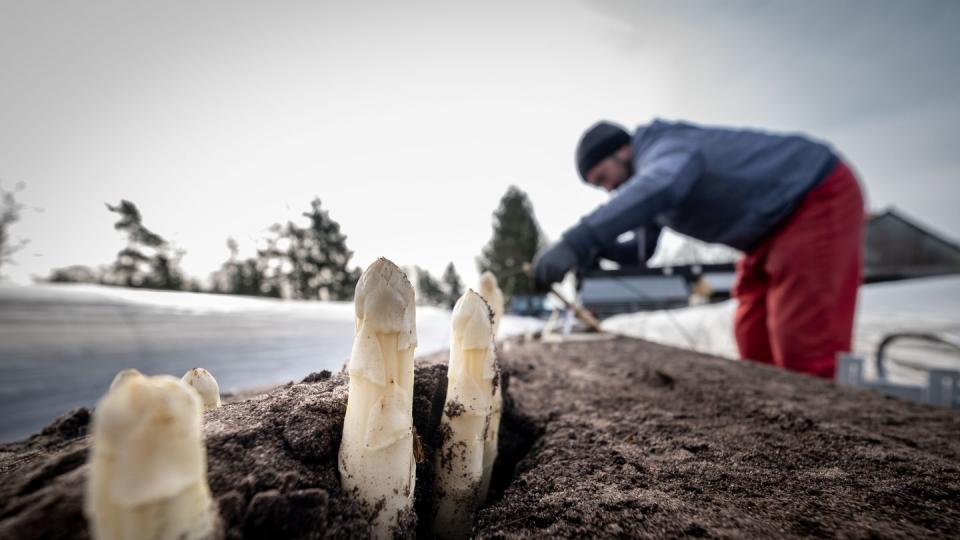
[{"x": 797, "y": 290}]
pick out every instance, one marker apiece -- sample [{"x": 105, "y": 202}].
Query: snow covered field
[
  {"x": 61, "y": 345},
  {"x": 928, "y": 305}
]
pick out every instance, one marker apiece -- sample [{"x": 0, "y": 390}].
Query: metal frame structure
[{"x": 943, "y": 385}]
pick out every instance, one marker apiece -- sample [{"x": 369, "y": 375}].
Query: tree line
[
  {"x": 307, "y": 260},
  {"x": 303, "y": 260}
]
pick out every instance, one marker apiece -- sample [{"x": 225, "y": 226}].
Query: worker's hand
[{"x": 551, "y": 264}]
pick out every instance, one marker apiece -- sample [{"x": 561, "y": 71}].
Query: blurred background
[{"x": 191, "y": 184}]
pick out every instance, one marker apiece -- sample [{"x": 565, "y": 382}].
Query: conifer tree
[
  {"x": 314, "y": 259},
  {"x": 452, "y": 286},
  {"x": 246, "y": 277},
  {"x": 429, "y": 289},
  {"x": 147, "y": 260},
  {"x": 516, "y": 238}
]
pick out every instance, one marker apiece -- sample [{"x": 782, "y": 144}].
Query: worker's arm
[{"x": 664, "y": 176}]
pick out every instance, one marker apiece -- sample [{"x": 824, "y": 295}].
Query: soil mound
[
  {"x": 606, "y": 438},
  {"x": 644, "y": 440}
]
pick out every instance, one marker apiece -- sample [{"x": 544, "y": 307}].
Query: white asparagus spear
[
  {"x": 376, "y": 459},
  {"x": 124, "y": 375},
  {"x": 494, "y": 297},
  {"x": 148, "y": 465},
  {"x": 203, "y": 382},
  {"x": 472, "y": 383},
  {"x": 491, "y": 438}
]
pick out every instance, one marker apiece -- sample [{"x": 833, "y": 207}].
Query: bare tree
[{"x": 10, "y": 211}]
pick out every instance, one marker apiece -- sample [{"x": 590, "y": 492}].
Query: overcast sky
[{"x": 410, "y": 119}]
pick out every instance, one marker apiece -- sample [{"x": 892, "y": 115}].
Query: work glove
[{"x": 551, "y": 264}]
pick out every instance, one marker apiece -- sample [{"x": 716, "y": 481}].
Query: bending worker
[{"x": 788, "y": 202}]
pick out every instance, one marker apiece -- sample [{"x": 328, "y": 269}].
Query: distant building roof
[{"x": 896, "y": 247}]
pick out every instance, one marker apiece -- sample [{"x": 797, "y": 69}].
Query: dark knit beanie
[{"x": 598, "y": 143}]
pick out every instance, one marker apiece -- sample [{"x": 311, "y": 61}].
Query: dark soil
[
  {"x": 637, "y": 439},
  {"x": 617, "y": 438}
]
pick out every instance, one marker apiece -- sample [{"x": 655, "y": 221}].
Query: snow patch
[{"x": 923, "y": 305}]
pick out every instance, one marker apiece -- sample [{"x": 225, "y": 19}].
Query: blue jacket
[{"x": 726, "y": 186}]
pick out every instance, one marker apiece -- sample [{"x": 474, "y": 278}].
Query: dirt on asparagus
[{"x": 608, "y": 438}]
